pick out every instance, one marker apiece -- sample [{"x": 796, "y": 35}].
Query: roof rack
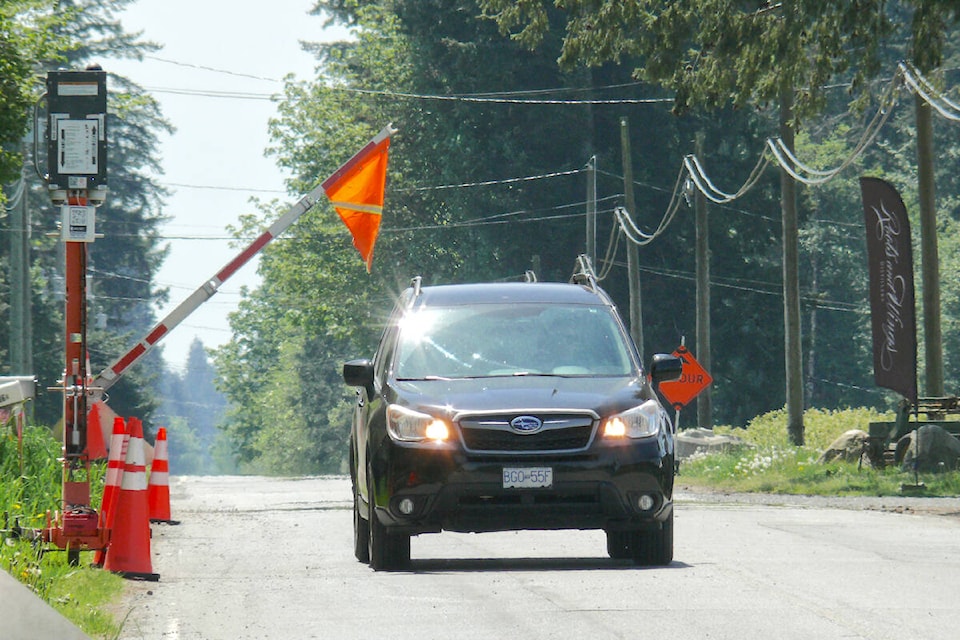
[
  {"x": 530, "y": 276},
  {"x": 583, "y": 273},
  {"x": 416, "y": 284}
]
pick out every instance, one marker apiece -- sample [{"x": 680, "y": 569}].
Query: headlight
[
  {"x": 408, "y": 425},
  {"x": 639, "y": 422}
]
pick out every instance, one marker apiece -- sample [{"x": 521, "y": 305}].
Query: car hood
[{"x": 603, "y": 395}]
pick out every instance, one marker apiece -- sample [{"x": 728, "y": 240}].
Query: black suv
[{"x": 495, "y": 407}]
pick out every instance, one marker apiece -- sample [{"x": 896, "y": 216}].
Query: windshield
[{"x": 506, "y": 340}]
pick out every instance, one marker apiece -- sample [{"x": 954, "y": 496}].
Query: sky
[{"x": 214, "y": 162}]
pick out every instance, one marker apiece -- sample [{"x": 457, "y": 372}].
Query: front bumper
[{"x": 422, "y": 490}]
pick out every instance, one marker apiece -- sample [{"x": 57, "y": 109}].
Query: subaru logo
[{"x": 526, "y": 424}]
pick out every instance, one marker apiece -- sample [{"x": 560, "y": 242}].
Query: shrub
[{"x": 821, "y": 427}]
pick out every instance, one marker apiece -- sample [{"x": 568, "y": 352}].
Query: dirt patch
[{"x": 908, "y": 505}]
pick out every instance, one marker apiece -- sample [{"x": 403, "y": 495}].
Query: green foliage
[
  {"x": 79, "y": 593},
  {"x": 192, "y": 409},
  {"x": 796, "y": 471},
  {"x": 28, "y": 33},
  {"x": 37, "y": 36},
  {"x": 929, "y": 30},
  {"x": 318, "y": 306},
  {"x": 822, "y": 427},
  {"x": 28, "y": 496},
  {"x": 83, "y": 594},
  {"x": 768, "y": 463},
  {"x": 714, "y": 52},
  {"x": 413, "y": 62}
]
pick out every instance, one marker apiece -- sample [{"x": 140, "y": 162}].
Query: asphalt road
[{"x": 272, "y": 558}]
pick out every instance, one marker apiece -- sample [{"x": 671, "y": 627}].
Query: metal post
[
  {"x": 592, "y": 210},
  {"x": 76, "y": 156}
]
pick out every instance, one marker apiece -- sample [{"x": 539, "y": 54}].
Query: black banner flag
[{"x": 892, "y": 298}]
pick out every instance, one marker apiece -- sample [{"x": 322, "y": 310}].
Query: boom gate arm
[{"x": 109, "y": 376}]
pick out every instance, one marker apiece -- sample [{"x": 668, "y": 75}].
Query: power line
[
  {"x": 754, "y": 286},
  {"x": 703, "y": 183},
  {"x": 212, "y": 69},
  {"x": 487, "y": 183},
  {"x": 509, "y": 97},
  {"x": 209, "y": 93},
  {"x": 181, "y": 185},
  {"x": 925, "y": 89},
  {"x": 789, "y": 162},
  {"x": 272, "y": 97},
  {"x": 501, "y": 100}
]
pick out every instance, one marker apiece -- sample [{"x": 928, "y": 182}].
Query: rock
[
  {"x": 848, "y": 447},
  {"x": 691, "y": 441},
  {"x": 931, "y": 446}
]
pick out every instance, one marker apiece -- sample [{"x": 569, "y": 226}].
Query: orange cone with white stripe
[
  {"x": 111, "y": 486},
  {"x": 129, "y": 551},
  {"x": 96, "y": 449},
  {"x": 158, "y": 491}
]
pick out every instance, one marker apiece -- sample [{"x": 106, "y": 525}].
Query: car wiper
[{"x": 540, "y": 374}]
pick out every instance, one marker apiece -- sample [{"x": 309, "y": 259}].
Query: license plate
[{"x": 527, "y": 477}]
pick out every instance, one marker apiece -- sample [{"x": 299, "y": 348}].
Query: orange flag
[{"x": 356, "y": 192}]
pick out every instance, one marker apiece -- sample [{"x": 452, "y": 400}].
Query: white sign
[
  {"x": 78, "y": 223},
  {"x": 77, "y": 146},
  {"x": 77, "y": 88}
]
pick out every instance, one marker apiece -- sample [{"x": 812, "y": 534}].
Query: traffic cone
[
  {"x": 158, "y": 490},
  {"x": 111, "y": 486},
  {"x": 96, "y": 449},
  {"x": 129, "y": 550}
]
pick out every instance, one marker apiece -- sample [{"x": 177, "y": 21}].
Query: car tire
[
  {"x": 361, "y": 530},
  {"x": 387, "y": 551},
  {"x": 618, "y": 544},
  {"x": 653, "y": 548}
]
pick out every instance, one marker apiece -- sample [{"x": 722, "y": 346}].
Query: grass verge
[
  {"x": 768, "y": 463},
  {"x": 30, "y": 485}
]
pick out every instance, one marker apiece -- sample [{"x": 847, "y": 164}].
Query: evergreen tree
[
  {"x": 466, "y": 103},
  {"x": 192, "y": 408},
  {"x": 46, "y": 35}
]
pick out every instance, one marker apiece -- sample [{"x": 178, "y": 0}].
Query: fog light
[
  {"x": 646, "y": 502},
  {"x": 406, "y": 506}
]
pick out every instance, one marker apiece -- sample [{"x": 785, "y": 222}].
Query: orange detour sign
[{"x": 693, "y": 379}]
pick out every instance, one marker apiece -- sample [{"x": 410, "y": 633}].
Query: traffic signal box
[{"x": 77, "y": 131}]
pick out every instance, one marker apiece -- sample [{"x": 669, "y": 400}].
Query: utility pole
[
  {"x": 793, "y": 351},
  {"x": 592, "y": 210},
  {"x": 19, "y": 278},
  {"x": 21, "y": 330},
  {"x": 633, "y": 254},
  {"x": 704, "y": 400},
  {"x": 929, "y": 252}
]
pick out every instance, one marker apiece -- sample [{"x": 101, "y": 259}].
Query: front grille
[{"x": 492, "y": 434}]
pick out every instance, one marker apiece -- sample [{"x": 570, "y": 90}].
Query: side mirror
[
  {"x": 358, "y": 373},
  {"x": 665, "y": 367}
]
